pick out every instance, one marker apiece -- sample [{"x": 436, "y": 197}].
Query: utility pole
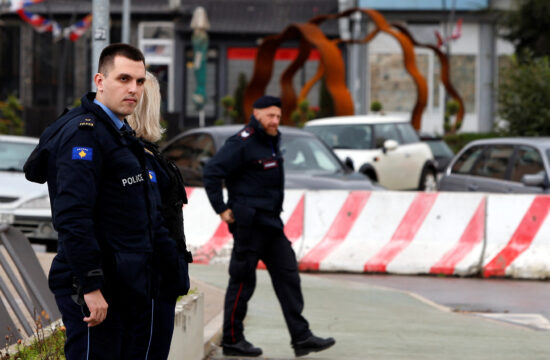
[
  {"x": 357, "y": 57},
  {"x": 100, "y": 32},
  {"x": 126, "y": 21}
]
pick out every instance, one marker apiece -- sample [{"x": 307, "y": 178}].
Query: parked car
[
  {"x": 24, "y": 204},
  {"x": 385, "y": 148},
  {"x": 308, "y": 163},
  {"x": 501, "y": 165},
  {"x": 441, "y": 152}
]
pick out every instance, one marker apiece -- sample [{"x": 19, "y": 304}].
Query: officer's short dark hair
[{"x": 108, "y": 55}]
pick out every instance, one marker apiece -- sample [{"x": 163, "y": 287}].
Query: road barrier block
[{"x": 518, "y": 236}]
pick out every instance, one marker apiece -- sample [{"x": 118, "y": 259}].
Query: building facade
[{"x": 49, "y": 74}]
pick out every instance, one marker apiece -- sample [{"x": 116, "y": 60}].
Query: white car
[
  {"x": 24, "y": 204},
  {"x": 385, "y": 148}
]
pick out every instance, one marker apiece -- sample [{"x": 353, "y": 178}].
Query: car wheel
[{"x": 428, "y": 181}]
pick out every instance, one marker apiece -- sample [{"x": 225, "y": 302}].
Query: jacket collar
[{"x": 87, "y": 102}]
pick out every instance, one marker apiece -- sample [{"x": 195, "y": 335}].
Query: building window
[
  {"x": 391, "y": 84},
  {"x": 47, "y": 65},
  {"x": 156, "y": 41},
  {"x": 463, "y": 77},
  {"x": 9, "y": 60}
]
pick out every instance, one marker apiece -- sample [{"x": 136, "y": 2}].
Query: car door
[
  {"x": 527, "y": 160},
  {"x": 459, "y": 177},
  {"x": 392, "y": 167},
  {"x": 189, "y": 153},
  {"x": 490, "y": 172}
]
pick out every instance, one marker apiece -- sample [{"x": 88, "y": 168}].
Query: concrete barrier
[
  {"x": 398, "y": 232},
  {"x": 209, "y": 238},
  {"x": 518, "y": 237},
  {"x": 393, "y": 232},
  {"x": 187, "y": 339}
]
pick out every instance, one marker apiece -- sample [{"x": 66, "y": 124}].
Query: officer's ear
[
  {"x": 98, "y": 80},
  {"x": 256, "y": 113}
]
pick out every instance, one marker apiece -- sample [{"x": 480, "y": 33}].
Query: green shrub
[
  {"x": 10, "y": 116},
  {"x": 523, "y": 97},
  {"x": 376, "y": 106}
]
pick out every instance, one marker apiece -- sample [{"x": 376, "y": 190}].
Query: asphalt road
[
  {"x": 499, "y": 297},
  {"x": 379, "y": 317}
]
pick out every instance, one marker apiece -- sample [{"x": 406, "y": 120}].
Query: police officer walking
[
  {"x": 112, "y": 245},
  {"x": 251, "y": 165}
]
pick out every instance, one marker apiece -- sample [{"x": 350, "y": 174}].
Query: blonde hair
[{"x": 145, "y": 120}]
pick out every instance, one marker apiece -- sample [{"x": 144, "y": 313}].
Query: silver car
[
  {"x": 24, "y": 204},
  {"x": 500, "y": 165},
  {"x": 309, "y": 163}
]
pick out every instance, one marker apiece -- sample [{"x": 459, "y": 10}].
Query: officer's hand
[
  {"x": 227, "y": 216},
  {"x": 98, "y": 308}
]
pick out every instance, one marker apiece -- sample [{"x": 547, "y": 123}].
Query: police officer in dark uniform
[
  {"x": 112, "y": 245},
  {"x": 251, "y": 165}
]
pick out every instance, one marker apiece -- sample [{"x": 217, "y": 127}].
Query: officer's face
[
  {"x": 121, "y": 86},
  {"x": 269, "y": 118}
]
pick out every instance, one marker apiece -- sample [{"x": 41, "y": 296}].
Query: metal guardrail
[{"x": 29, "y": 295}]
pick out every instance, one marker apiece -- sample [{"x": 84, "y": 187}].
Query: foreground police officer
[
  {"x": 250, "y": 162},
  {"x": 112, "y": 245}
]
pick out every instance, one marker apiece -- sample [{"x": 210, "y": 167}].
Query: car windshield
[
  {"x": 307, "y": 154},
  {"x": 440, "y": 148},
  {"x": 14, "y": 154},
  {"x": 345, "y": 136}
]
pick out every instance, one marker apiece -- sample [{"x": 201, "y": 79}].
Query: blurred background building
[{"x": 41, "y": 69}]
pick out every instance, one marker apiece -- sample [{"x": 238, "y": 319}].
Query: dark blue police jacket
[
  {"x": 169, "y": 190},
  {"x": 251, "y": 164},
  {"x": 103, "y": 206}
]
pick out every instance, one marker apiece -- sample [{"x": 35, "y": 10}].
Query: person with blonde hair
[
  {"x": 145, "y": 120},
  {"x": 170, "y": 192}
]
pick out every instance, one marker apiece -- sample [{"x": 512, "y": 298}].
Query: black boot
[
  {"x": 241, "y": 348},
  {"x": 312, "y": 344}
]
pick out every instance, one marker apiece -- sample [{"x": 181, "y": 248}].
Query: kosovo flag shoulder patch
[
  {"x": 152, "y": 176},
  {"x": 82, "y": 153}
]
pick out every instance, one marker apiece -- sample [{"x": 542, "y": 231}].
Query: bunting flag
[
  {"x": 42, "y": 24},
  {"x": 75, "y": 31},
  {"x": 19, "y": 4},
  {"x": 39, "y": 23},
  {"x": 456, "y": 34}
]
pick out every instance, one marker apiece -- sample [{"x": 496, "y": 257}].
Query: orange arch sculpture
[
  {"x": 408, "y": 53},
  {"x": 445, "y": 75},
  {"x": 309, "y": 35}
]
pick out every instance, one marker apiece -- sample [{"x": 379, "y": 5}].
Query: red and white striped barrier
[
  {"x": 397, "y": 232},
  {"x": 393, "y": 232},
  {"x": 209, "y": 238},
  {"x": 518, "y": 236}
]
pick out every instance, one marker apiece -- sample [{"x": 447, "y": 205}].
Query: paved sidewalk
[{"x": 371, "y": 322}]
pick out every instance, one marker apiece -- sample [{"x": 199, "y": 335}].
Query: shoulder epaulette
[
  {"x": 246, "y": 133},
  {"x": 86, "y": 123}
]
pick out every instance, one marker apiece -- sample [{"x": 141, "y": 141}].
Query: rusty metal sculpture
[
  {"x": 408, "y": 53},
  {"x": 309, "y": 35},
  {"x": 445, "y": 74},
  {"x": 331, "y": 66}
]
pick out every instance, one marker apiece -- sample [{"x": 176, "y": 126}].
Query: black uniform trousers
[
  {"x": 269, "y": 244},
  {"x": 106, "y": 341}
]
